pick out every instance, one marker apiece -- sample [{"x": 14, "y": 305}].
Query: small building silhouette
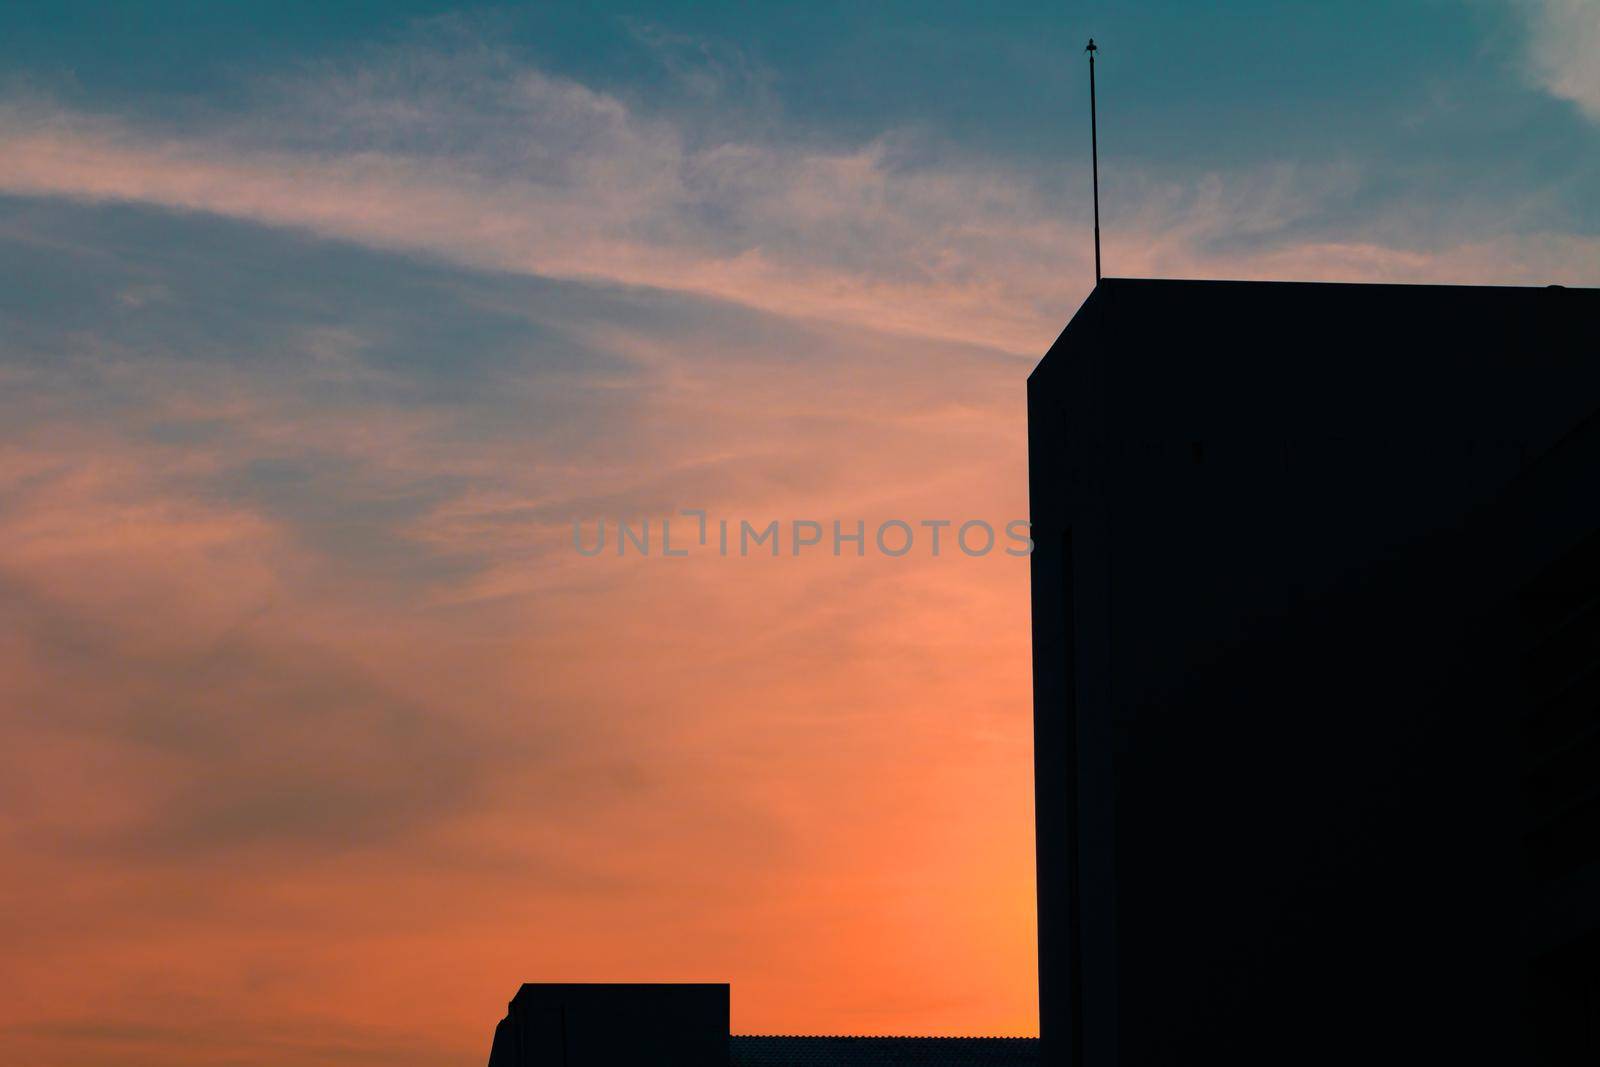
[
  {"x": 606, "y": 1024},
  {"x": 1317, "y": 674},
  {"x": 686, "y": 1025}
]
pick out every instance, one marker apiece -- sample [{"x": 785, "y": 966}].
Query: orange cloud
[{"x": 332, "y": 778}]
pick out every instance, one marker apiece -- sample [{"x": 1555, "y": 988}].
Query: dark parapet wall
[
  {"x": 613, "y": 1025},
  {"x": 786, "y": 1051},
  {"x": 1278, "y": 688},
  {"x": 617, "y": 1025}
]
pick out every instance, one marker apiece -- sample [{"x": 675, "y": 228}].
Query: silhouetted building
[
  {"x": 613, "y": 1025},
  {"x": 885, "y": 1051},
  {"x": 666, "y": 1025},
  {"x": 1316, "y": 674}
]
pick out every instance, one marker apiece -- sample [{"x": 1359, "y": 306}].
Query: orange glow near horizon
[{"x": 304, "y": 782}]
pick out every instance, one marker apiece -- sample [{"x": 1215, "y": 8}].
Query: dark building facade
[{"x": 1315, "y": 652}]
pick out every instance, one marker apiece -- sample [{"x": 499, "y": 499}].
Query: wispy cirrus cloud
[
  {"x": 467, "y": 155},
  {"x": 562, "y": 181},
  {"x": 1563, "y": 50}
]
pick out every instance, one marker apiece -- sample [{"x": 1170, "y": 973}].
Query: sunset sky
[{"x": 319, "y": 329}]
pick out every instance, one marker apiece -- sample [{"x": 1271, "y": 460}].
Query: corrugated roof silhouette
[{"x": 785, "y": 1051}]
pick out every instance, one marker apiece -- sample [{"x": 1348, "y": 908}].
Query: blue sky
[
  {"x": 1186, "y": 84},
  {"x": 320, "y": 323},
  {"x": 1415, "y": 126}
]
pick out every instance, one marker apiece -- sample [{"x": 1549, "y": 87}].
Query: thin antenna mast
[{"x": 1094, "y": 159}]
